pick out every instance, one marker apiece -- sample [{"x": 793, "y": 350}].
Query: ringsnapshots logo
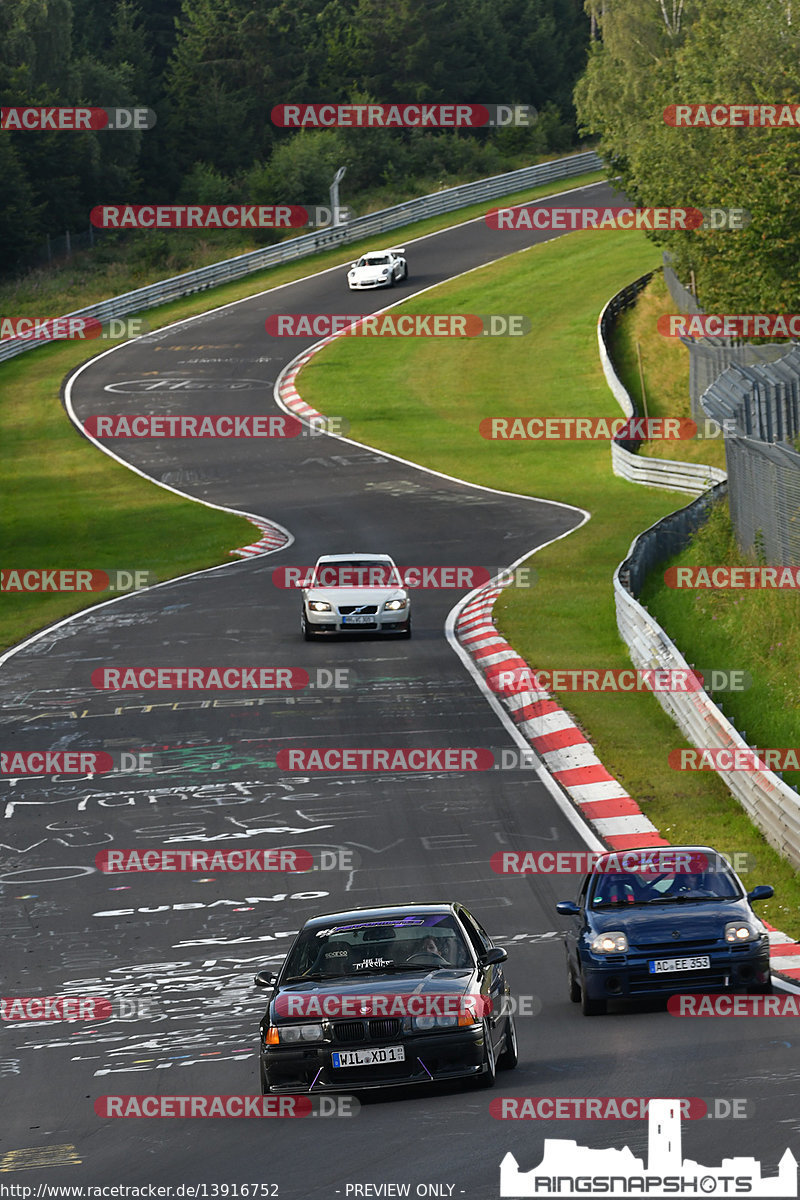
[
  {"x": 569, "y": 220},
  {"x": 399, "y": 325},
  {"x": 75, "y": 120},
  {"x": 569, "y": 1170},
  {"x": 403, "y": 116}
]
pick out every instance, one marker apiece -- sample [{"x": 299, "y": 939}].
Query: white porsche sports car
[
  {"x": 379, "y": 268},
  {"x": 354, "y": 593}
]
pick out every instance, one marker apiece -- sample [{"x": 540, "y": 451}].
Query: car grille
[
  {"x": 363, "y": 608},
  {"x": 675, "y": 947},
  {"x": 375, "y": 1029}
]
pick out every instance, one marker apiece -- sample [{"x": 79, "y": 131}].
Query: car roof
[
  {"x": 362, "y": 914},
  {"x": 382, "y": 558},
  {"x": 659, "y": 850}
]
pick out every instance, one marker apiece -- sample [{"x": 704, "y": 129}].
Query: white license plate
[
  {"x": 357, "y": 619},
  {"x": 373, "y": 1057},
  {"x": 661, "y": 966}
]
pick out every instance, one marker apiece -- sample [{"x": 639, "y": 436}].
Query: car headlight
[
  {"x": 394, "y": 605},
  {"x": 613, "y": 942},
  {"x": 319, "y": 606},
  {"x": 287, "y": 1035},
  {"x": 739, "y": 931},
  {"x": 426, "y": 1024},
  {"x": 386, "y": 271}
]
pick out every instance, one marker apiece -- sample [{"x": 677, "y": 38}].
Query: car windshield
[
  {"x": 620, "y": 889},
  {"x": 425, "y": 942},
  {"x": 356, "y": 573},
  {"x": 374, "y": 260}
]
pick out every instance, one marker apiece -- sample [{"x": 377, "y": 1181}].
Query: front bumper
[
  {"x": 428, "y": 1058},
  {"x": 626, "y": 976},
  {"x": 333, "y": 622},
  {"x": 362, "y": 285}
]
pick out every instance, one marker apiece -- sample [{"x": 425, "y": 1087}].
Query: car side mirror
[
  {"x": 264, "y": 979},
  {"x": 305, "y": 583},
  {"x": 496, "y": 955},
  {"x": 762, "y": 892},
  {"x": 568, "y": 908}
]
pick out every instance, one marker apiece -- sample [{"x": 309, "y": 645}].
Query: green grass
[
  {"x": 757, "y": 631},
  {"x": 665, "y": 366},
  {"x": 65, "y": 504},
  {"x": 424, "y": 398}
]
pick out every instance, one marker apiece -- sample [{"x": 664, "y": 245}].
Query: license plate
[
  {"x": 661, "y": 966},
  {"x": 357, "y": 619},
  {"x": 369, "y": 1058}
]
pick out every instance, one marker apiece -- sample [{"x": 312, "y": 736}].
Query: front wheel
[
  {"x": 487, "y": 1077},
  {"x": 406, "y": 631},
  {"x": 305, "y": 628},
  {"x": 573, "y": 985},
  {"x": 510, "y": 1055},
  {"x": 263, "y": 1077}
]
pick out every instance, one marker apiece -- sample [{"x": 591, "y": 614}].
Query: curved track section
[{"x": 189, "y": 944}]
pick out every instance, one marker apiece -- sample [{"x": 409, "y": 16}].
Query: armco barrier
[
  {"x": 386, "y": 219},
  {"x": 771, "y": 804},
  {"x": 693, "y": 478}
]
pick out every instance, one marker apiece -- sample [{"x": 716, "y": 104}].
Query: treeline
[
  {"x": 648, "y": 54},
  {"x": 213, "y": 69}
]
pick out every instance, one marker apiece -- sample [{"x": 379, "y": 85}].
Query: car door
[{"x": 494, "y": 979}]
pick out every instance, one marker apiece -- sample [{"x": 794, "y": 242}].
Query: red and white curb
[
  {"x": 553, "y": 734},
  {"x": 272, "y": 537},
  {"x": 567, "y": 754}
]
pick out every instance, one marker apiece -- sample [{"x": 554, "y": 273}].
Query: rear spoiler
[{"x": 397, "y": 250}]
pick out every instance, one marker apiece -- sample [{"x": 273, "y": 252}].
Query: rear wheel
[
  {"x": 510, "y": 1055},
  {"x": 589, "y": 1006}
]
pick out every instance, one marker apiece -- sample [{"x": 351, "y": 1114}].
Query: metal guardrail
[
  {"x": 693, "y": 478},
  {"x": 448, "y": 200},
  {"x": 771, "y": 804}
]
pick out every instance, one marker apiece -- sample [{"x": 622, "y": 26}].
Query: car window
[
  {"x": 479, "y": 938},
  {"x": 428, "y": 940},
  {"x": 356, "y": 573}
]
